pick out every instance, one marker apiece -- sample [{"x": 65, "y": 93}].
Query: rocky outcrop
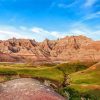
[
  {"x": 70, "y": 48},
  {"x": 10, "y": 58},
  {"x": 27, "y": 89}
]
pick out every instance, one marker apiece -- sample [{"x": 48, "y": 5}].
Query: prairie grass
[{"x": 83, "y": 79}]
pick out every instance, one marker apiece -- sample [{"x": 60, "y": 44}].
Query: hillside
[
  {"x": 83, "y": 78},
  {"x": 87, "y": 81},
  {"x": 88, "y": 76},
  {"x": 70, "y": 48}
]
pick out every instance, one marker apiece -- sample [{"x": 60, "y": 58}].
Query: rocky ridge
[{"x": 70, "y": 48}]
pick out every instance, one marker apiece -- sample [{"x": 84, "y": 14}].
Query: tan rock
[{"x": 65, "y": 49}]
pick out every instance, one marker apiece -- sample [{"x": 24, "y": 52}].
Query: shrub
[{"x": 73, "y": 94}]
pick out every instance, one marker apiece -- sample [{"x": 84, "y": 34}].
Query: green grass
[
  {"x": 87, "y": 89},
  {"x": 90, "y": 76},
  {"x": 87, "y": 81},
  {"x": 18, "y": 65},
  {"x": 49, "y": 73},
  {"x": 82, "y": 80}
]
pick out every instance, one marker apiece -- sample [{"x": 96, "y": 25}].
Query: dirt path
[{"x": 27, "y": 89}]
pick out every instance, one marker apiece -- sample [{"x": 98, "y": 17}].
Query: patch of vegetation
[
  {"x": 71, "y": 67},
  {"x": 49, "y": 73},
  {"x": 79, "y": 77},
  {"x": 73, "y": 94},
  {"x": 49, "y": 64},
  {"x": 7, "y": 72},
  {"x": 67, "y": 69},
  {"x": 90, "y": 76}
]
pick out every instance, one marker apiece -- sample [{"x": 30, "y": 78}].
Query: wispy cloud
[
  {"x": 82, "y": 29},
  {"x": 23, "y": 28},
  {"x": 89, "y": 3},
  {"x": 36, "y": 33},
  {"x": 91, "y": 16},
  {"x": 87, "y": 17},
  {"x": 64, "y": 5},
  {"x": 39, "y": 34},
  {"x": 10, "y": 31},
  {"x": 47, "y": 33}
]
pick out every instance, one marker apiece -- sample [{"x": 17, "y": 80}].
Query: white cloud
[
  {"x": 64, "y": 5},
  {"x": 38, "y": 30},
  {"x": 47, "y": 34},
  {"x": 87, "y": 17},
  {"x": 36, "y": 33},
  {"x": 39, "y": 34},
  {"x": 23, "y": 28},
  {"x": 9, "y": 34},
  {"x": 92, "y": 15},
  {"x": 89, "y": 3},
  {"x": 86, "y": 31},
  {"x": 97, "y": 33},
  {"x": 6, "y": 32},
  {"x": 58, "y": 34},
  {"x": 9, "y": 31}
]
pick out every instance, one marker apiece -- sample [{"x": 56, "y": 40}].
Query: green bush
[
  {"x": 71, "y": 67},
  {"x": 75, "y": 95},
  {"x": 70, "y": 93},
  {"x": 88, "y": 96}
]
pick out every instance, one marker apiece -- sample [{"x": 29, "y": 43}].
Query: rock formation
[{"x": 70, "y": 48}]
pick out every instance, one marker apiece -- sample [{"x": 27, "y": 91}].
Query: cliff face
[{"x": 66, "y": 49}]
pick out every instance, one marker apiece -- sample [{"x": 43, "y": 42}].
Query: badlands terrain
[
  {"x": 70, "y": 48},
  {"x": 69, "y": 66}
]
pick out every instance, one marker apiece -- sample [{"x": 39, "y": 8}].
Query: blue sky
[{"x": 40, "y": 19}]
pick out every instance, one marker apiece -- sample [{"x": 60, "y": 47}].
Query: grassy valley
[{"x": 84, "y": 79}]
